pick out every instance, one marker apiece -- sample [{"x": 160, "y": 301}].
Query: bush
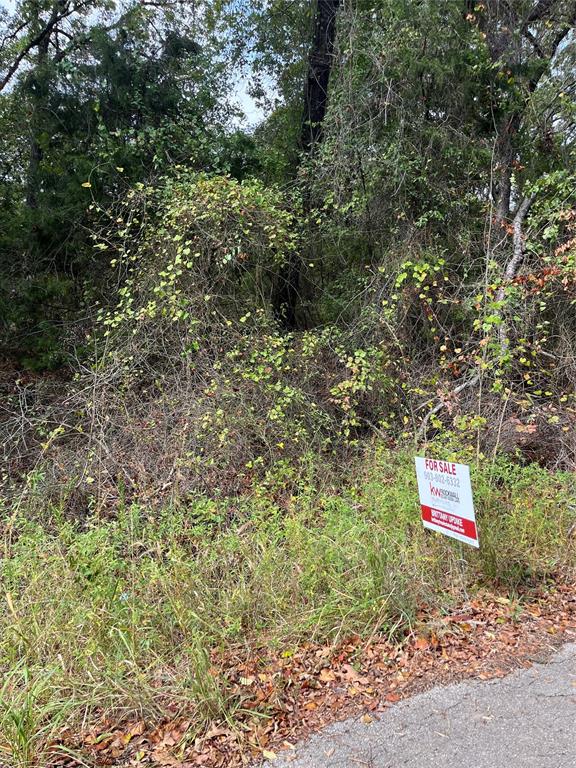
[{"x": 192, "y": 385}]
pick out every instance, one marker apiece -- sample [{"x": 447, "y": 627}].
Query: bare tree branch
[
  {"x": 60, "y": 11},
  {"x": 514, "y": 262}
]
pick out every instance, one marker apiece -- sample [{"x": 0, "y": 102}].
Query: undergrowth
[{"x": 122, "y": 616}]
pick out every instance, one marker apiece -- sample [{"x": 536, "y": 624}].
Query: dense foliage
[
  {"x": 390, "y": 251},
  {"x": 224, "y": 337}
]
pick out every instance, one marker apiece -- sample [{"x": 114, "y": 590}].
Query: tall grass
[{"x": 123, "y": 615}]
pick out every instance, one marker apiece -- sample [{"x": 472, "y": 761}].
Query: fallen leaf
[
  {"x": 136, "y": 730},
  {"x": 214, "y": 732},
  {"x": 165, "y": 758},
  {"x": 350, "y": 675},
  {"x": 327, "y": 676}
]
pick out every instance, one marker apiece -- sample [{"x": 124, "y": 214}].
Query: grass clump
[{"x": 131, "y": 613}]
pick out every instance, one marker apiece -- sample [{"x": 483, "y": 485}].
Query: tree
[
  {"x": 522, "y": 40},
  {"x": 314, "y": 111},
  {"x": 99, "y": 96}
]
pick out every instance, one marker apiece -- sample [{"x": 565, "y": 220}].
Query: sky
[{"x": 254, "y": 113}]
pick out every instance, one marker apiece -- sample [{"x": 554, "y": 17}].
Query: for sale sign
[{"x": 446, "y": 499}]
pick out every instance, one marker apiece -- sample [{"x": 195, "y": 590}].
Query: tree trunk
[
  {"x": 34, "y": 160},
  {"x": 505, "y": 156},
  {"x": 314, "y": 112},
  {"x": 513, "y": 266},
  {"x": 37, "y": 93},
  {"x": 37, "y": 86},
  {"x": 319, "y": 68}
]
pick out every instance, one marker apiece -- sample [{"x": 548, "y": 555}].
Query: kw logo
[{"x": 444, "y": 493}]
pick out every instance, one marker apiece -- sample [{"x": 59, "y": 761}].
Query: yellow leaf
[
  {"x": 87, "y": 184},
  {"x": 269, "y": 755}
]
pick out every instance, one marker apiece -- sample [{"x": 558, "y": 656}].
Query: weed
[
  {"x": 31, "y": 714},
  {"x": 129, "y": 613}
]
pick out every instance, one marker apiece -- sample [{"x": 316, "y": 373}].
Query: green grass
[{"x": 122, "y": 615}]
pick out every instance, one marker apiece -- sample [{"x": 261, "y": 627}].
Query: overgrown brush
[
  {"x": 190, "y": 384},
  {"x": 132, "y": 613}
]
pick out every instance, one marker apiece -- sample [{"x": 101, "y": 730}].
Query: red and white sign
[{"x": 446, "y": 499}]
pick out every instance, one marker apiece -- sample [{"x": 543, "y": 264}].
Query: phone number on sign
[{"x": 436, "y": 477}]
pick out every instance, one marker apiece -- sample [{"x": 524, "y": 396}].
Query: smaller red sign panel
[{"x": 449, "y": 521}]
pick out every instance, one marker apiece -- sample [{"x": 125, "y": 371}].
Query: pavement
[{"x": 524, "y": 720}]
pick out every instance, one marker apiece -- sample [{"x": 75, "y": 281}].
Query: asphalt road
[{"x": 525, "y": 720}]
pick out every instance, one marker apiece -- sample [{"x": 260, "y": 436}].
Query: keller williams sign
[{"x": 446, "y": 499}]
